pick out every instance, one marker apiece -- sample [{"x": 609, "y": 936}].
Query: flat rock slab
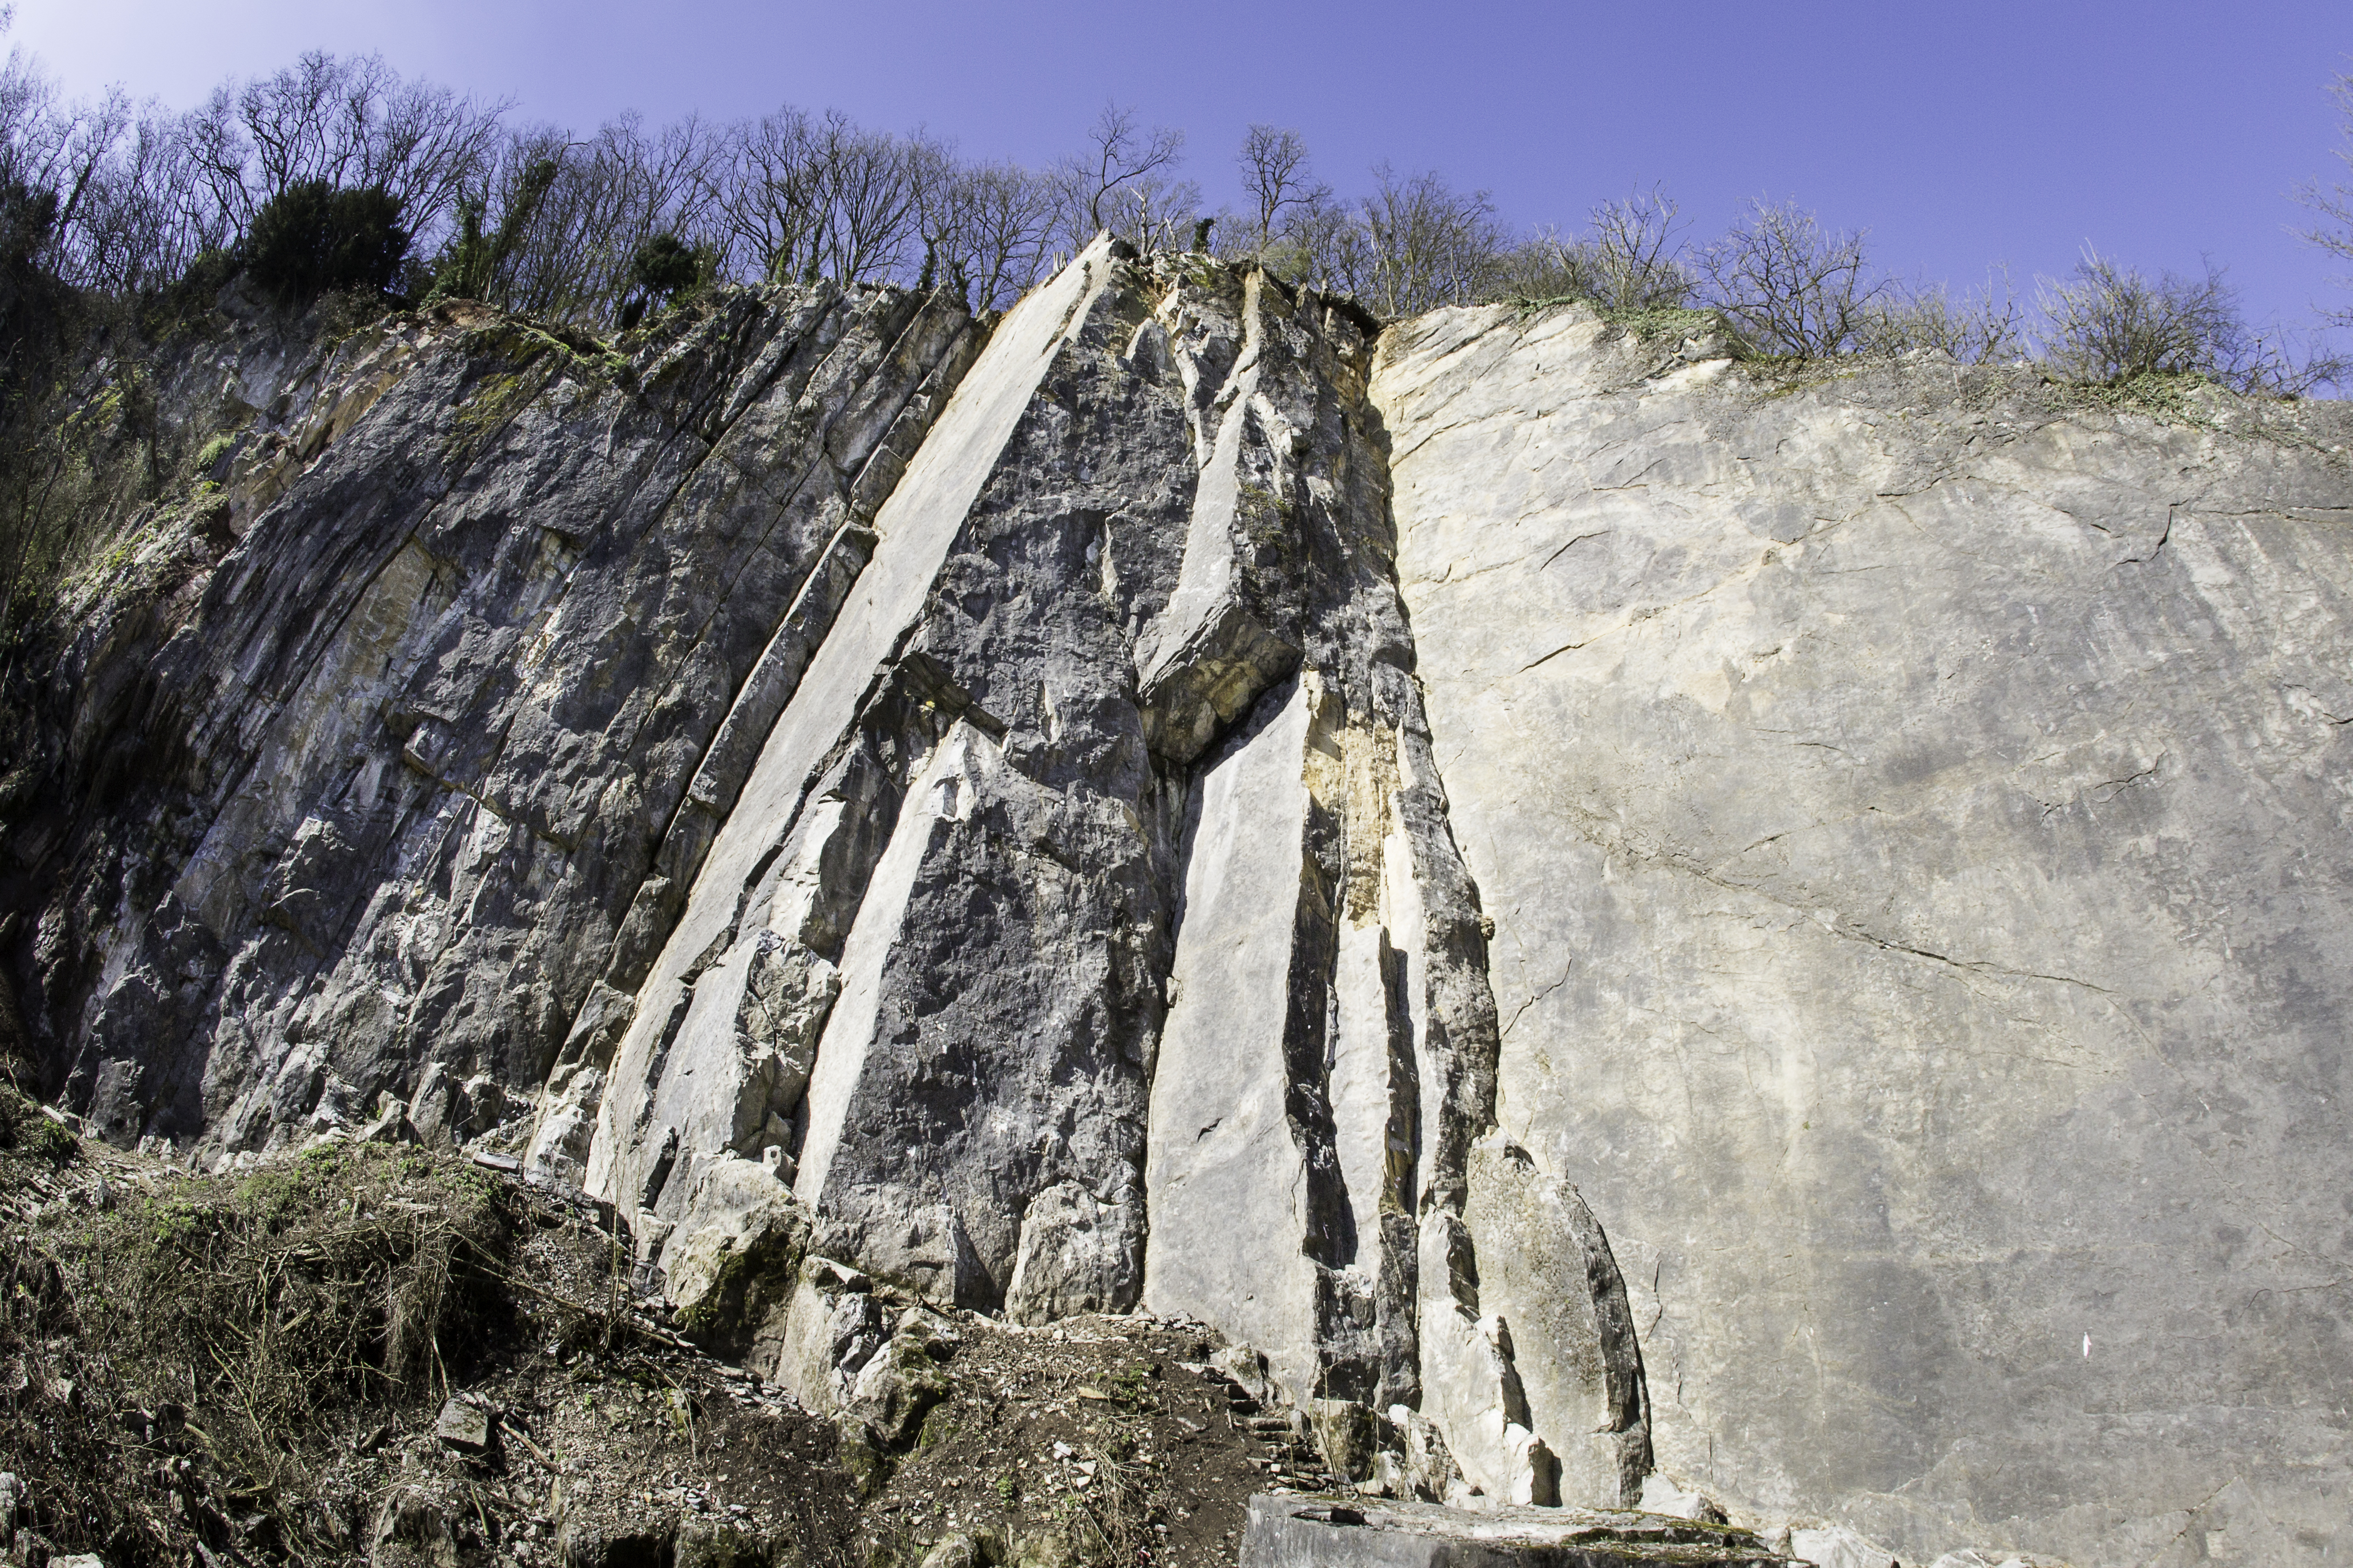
[
  {"x": 464, "y": 1426},
  {"x": 1326, "y": 1533}
]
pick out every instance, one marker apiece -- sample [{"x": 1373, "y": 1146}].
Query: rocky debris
[
  {"x": 1347, "y": 1434},
  {"x": 901, "y": 1384},
  {"x": 1662, "y": 1494},
  {"x": 1836, "y": 1546},
  {"x": 447, "y": 1111},
  {"x": 392, "y": 1127},
  {"x": 833, "y": 1327},
  {"x": 1089, "y": 1441},
  {"x": 411, "y": 1524},
  {"x": 1423, "y": 1469},
  {"x": 1245, "y": 1369},
  {"x": 584, "y": 1446},
  {"x": 14, "y": 1512},
  {"x": 1318, "y": 1532}
]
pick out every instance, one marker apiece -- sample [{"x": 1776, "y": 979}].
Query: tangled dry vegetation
[
  {"x": 380, "y": 1353},
  {"x": 178, "y": 1353}
]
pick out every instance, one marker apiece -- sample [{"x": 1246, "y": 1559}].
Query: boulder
[
  {"x": 1077, "y": 1255},
  {"x": 466, "y": 1425},
  {"x": 967, "y": 1549},
  {"x": 897, "y": 1388},
  {"x": 730, "y": 1263},
  {"x": 832, "y": 1329},
  {"x": 1836, "y": 1546},
  {"x": 1347, "y": 1434}
]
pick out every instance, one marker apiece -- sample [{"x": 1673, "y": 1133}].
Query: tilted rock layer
[{"x": 1621, "y": 913}]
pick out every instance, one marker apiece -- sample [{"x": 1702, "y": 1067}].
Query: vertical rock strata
[
  {"x": 978, "y": 802},
  {"x": 406, "y": 785},
  {"x": 1912, "y": 810},
  {"x": 1088, "y": 932}
]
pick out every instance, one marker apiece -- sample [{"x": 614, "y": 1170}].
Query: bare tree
[
  {"x": 97, "y": 179},
  {"x": 423, "y": 145},
  {"x": 1424, "y": 245},
  {"x": 1120, "y": 153},
  {"x": 1274, "y": 171},
  {"x": 1979, "y": 327},
  {"x": 2334, "y": 201},
  {"x": 1320, "y": 243},
  {"x": 1628, "y": 258},
  {"x": 214, "y": 145},
  {"x": 33, "y": 132},
  {"x": 609, "y": 195},
  {"x": 1792, "y": 286},
  {"x": 991, "y": 224},
  {"x": 351, "y": 122},
  {"x": 1547, "y": 265},
  {"x": 1634, "y": 252},
  {"x": 137, "y": 220},
  {"x": 865, "y": 183},
  {"x": 2111, "y": 323},
  {"x": 1156, "y": 214},
  {"x": 765, "y": 196}
]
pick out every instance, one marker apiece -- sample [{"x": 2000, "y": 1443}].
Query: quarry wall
[{"x": 1779, "y": 930}]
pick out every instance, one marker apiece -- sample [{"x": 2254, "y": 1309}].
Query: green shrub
[
  {"x": 664, "y": 268},
  {"x": 312, "y": 238},
  {"x": 471, "y": 264},
  {"x": 25, "y": 1130}
]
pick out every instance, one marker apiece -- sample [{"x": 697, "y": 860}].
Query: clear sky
[{"x": 1961, "y": 135}]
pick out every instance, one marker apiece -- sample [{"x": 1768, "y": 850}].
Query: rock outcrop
[
  {"x": 1619, "y": 917},
  {"x": 1911, "y": 817}
]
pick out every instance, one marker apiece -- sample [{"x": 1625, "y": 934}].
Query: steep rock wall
[
  {"x": 983, "y": 796},
  {"x": 1913, "y": 818},
  {"x": 412, "y": 771},
  {"x": 1089, "y": 932}
]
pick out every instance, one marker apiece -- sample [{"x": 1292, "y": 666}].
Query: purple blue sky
[{"x": 1961, "y": 135}]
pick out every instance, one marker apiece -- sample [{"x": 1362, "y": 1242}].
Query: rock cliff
[{"x": 1624, "y": 919}]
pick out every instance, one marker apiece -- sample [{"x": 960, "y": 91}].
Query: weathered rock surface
[
  {"x": 1317, "y": 1532},
  {"x": 1634, "y": 928},
  {"x": 412, "y": 778},
  {"x": 1913, "y": 816}
]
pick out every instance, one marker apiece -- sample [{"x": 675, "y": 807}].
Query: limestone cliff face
[
  {"x": 1619, "y": 911},
  {"x": 1914, "y": 823}
]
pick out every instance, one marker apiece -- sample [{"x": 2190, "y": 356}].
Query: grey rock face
[
  {"x": 993, "y": 808},
  {"x": 1910, "y": 815},
  {"x": 1109, "y": 951},
  {"x": 397, "y": 790}
]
